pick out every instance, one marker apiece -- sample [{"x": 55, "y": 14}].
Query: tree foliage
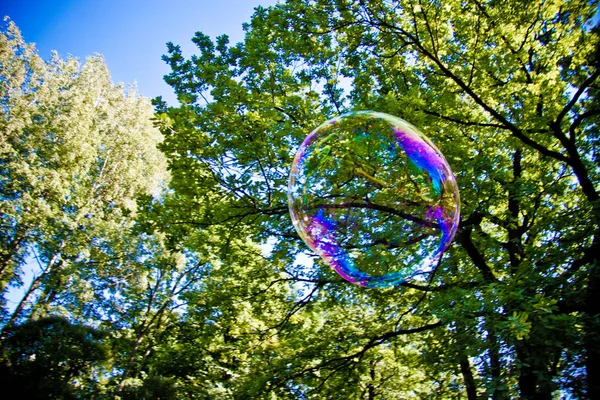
[
  {"x": 507, "y": 90},
  {"x": 76, "y": 154},
  {"x": 50, "y": 358}
]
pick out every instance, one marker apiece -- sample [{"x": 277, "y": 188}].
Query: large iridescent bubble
[{"x": 374, "y": 198}]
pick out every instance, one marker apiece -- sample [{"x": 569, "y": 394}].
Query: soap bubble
[{"x": 374, "y": 198}]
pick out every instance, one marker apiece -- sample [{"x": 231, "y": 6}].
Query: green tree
[
  {"x": 507, "y": 90},
  {"x": 50, "y": 359},
  {"x": 75, "y": 154}
]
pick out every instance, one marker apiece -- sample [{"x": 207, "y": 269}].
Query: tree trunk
[
  {"x": 17, "y": 313},
  {"x": 495, "y": 365},
  {"x": 527, "y": 377},
  {"x": 592, "y": 329},
  {"x": 371, "y": 386},
  {"x": 535, "y": 376},
  {"x": 465, "y": 369},
  {"x": 35, "y": 285}
]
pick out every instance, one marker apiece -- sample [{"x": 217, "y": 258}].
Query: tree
[
  {"x": 50, "y": 358},
  {"x": 76, "y": 152},
  {"x": 507, "y": 90}
]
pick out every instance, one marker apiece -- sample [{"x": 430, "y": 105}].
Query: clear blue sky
[{"x": 131, "y": 34}]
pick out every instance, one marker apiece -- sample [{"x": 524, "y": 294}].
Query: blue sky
[{"x": 131, "y": 34}]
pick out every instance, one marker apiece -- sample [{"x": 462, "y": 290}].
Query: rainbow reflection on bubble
[{"x": 374, "y": 198}]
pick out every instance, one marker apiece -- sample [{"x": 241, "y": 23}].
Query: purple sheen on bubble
[
  {"x": 424, "y": 155},
  {"x": 374, "y": 198}
]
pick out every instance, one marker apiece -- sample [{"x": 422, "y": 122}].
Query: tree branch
[
  {"x": 467, "y": 123},
  {"x": 576, "y": 97},
  {"x": 518, "y": 133},
  {"x": 465, "y": 239}
]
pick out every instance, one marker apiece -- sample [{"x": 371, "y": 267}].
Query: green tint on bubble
[{"x": 374, "y": 198}]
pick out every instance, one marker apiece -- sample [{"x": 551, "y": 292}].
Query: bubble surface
[{"x": 374, "y": 198}]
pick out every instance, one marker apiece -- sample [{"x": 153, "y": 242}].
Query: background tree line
[{"x": 191, "y": 283}]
